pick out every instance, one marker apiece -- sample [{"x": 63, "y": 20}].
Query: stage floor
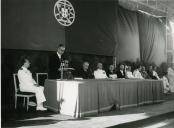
[{"x": 148, "y": 116}]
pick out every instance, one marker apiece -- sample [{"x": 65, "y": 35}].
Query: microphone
[{"x": 62, "y": 66}]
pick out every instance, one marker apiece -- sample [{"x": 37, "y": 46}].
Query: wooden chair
[
  {"x": 18, "y": 93},
  {"x": 40, "y": 78}
]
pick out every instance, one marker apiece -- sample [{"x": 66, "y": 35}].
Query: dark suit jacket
[
  {"x": 85, "y": 75},
  {"x": 150, "y": 73},
  {"x": 54, "y": 65},
  {"x": 120, "y": 75},
  {"x": 110, "y": 73}
]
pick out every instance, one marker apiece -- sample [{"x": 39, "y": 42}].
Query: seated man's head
[
  {"x": 155, "y": 68},
  {"x": 150, "y": 68},
  {"x": 99, "y": 66},
  {"x": 129, "y": 68},
  {"x": 61, "y": 49},
  {"x": 138, "y": 67},
  {"x": 143, "y": 68},
  {"x": 24, "y": 61},
  {"x": 85, "y": 66},
  {"x": 111, "y": 68},
  {"x": 121, "y": 67}
]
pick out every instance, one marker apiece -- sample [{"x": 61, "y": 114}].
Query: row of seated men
[{"x": 123, "y": 72}]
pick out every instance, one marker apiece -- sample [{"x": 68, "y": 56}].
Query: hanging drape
[
  {"x": 94, "y": 28},
  {"x": 127, "y": 35},
  {"x": 152, "y": 39},
  {"x": 100, "y": 28}
]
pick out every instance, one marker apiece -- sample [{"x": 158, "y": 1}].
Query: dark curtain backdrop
[
  {"x": 100, "y": 28},
  {"x": 30, "y": 24},
  {"x": 152, "y": 39},
  {"x": 94, "y": 28},
  {"x": 127, "y": 35}
]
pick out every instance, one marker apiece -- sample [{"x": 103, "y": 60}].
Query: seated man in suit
[
  {"x": 85, "y": 72},
  {"x": 100, "y": 73},
  {"x": 111, "y": 72},
  {"x": 55, "y": 62},
  {"x": 152, "y": 73},
  {"x": 121, "y": 71}
]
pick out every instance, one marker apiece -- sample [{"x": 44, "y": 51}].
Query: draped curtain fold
[
  {"x": 94, "y": 28},
  {"x": 127, "y": 35},
  {"x": 100, "y": 28},
  {"x": 147, "y": 37},
  {"x": 152, "y": 39}
]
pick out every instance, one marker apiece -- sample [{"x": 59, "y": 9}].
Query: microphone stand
[{"x": 62, "y": 65}]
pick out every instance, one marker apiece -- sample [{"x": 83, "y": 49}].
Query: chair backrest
[
  {"x": 40, "y": 78},
  {"x": 16, "y": 82}
]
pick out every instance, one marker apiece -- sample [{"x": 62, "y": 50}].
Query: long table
[{"x": 79, "y": 98}]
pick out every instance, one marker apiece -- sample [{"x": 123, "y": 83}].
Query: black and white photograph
[{"x": 87, "y": 64}]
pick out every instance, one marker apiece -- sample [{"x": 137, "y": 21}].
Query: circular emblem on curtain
[{"x": 64, "y": 12}]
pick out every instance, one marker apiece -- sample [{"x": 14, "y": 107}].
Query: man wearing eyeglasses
[{"x": 55, "y": 62}]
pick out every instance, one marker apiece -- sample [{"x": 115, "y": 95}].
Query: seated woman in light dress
[
  {"x": 28, "y": 84},
  {"x": 170, "y": 75}
]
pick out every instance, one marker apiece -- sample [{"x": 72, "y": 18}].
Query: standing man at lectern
[{"x": 55, "y": 62}]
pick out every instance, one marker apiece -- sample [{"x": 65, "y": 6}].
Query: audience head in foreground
[{"x": 28, "y": 84}]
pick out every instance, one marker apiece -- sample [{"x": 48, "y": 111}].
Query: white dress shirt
[
  {"x": 155, "y": 74},
  {"x": 59, "y": 55},
  {"x": 100, "y": 74}
]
